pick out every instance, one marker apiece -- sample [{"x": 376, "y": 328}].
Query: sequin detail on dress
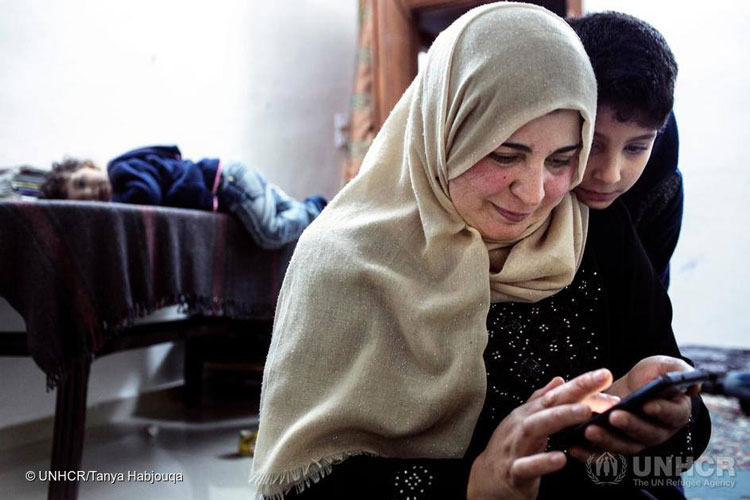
[
  {"x": 414, "y": 483},
  {"x": 529, "y": 344}
]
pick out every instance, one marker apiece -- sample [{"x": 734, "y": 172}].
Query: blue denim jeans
[{"x": 272, "y": 217}]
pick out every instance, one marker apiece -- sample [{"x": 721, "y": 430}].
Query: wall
[
  {"x": 710, "y": 275},
  {"x": 251, "y": 81}
]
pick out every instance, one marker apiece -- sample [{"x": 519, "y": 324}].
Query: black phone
[{"x": 666, "y": 386}]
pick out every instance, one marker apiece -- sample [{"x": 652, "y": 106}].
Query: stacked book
[{"x": 20, "y": 182}]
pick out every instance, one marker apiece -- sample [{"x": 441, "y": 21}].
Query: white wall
[
  {"x": 710, "y": 270},
  {"x": 251, "y": 81}
]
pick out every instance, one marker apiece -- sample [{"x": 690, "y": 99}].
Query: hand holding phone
[{"x": 666, "y": 386}]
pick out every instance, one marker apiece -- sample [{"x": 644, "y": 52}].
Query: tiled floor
[
  {"x": 165, "y": 439},
  {"x": 201, "y": 445}
]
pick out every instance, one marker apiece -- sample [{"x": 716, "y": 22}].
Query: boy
[
  {"x": 158, "y": 175},
  {"x": 634, "y": 154}
]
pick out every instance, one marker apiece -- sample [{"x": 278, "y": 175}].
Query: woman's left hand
[{"x": 667, "y": 416}]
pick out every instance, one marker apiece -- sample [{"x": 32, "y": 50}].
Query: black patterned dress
[{"x": 614, "y": 313}]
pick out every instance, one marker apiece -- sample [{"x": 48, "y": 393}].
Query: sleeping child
[{"x": 158, "y": 175}]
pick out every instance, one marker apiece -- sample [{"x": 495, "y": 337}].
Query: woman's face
[{"x": 520, "y": 182}]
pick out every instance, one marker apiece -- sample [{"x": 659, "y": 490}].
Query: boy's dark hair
[
  {"x": 634, "y": 67},
  {"x": 54, "y": 185}
]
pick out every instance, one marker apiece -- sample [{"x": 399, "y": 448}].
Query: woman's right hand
[{"x": 514, "y": 460}]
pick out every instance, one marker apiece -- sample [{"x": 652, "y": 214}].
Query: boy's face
[
  {"x": 618, "y": 156},
  {"x": 89, "y": 183}
]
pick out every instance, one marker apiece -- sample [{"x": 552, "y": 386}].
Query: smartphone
[{"x": 666, "y": 386}]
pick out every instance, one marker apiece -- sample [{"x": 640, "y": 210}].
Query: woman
[{"x": 375, "y": 376}]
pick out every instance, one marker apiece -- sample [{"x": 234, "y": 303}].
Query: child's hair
[
  {"x": 634, "y": 67},
  {"x": 55, "y": 182}
]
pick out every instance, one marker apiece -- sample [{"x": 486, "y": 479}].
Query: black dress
[
  {"x": 615, "y": 313},
  {"x": 656, "y": 201}
]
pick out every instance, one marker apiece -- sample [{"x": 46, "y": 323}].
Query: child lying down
[{"x": 158, "y": 175}]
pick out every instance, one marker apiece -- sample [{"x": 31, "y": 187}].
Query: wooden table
[{"x": 80, "y": 272}]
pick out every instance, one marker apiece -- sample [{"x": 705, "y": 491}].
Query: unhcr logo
[{"x": 606, "y": 468}]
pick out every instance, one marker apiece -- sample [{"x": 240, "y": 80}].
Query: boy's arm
[
  {"x": 655, "y": 202},
  {"x": 660, "y": 233},
  {"x": 644, "y": 312},
  {"x": 134, "y": 183},
  {"x": 138, "y": 193}
]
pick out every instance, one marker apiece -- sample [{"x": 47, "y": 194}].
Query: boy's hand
[{"x": 667, "y": 415}]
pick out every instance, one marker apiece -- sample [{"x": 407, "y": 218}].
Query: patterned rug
[{"x": 723, "y": 471}]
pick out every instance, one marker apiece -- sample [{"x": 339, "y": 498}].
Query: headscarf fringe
[{"x": 274, "y": 486}]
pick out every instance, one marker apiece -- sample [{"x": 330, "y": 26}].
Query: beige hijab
[{"x": 380, "y": 326}]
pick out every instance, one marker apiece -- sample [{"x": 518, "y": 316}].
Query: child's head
[
  {"x": 635, "y": 72},
  {"x": 73, "y": 179}
]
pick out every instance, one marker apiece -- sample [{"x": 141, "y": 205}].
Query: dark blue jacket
[
  {"x": 655, "y": 202},
  {"x": 157, "y": 175}
]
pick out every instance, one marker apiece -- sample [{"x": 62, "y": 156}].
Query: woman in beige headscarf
[{"x": 463, "y": 201}]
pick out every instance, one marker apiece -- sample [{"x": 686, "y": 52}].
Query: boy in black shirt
[{"x": 635, "y": 149}]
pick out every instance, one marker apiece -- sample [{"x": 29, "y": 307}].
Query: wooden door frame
[{"x": 396, "y": 45}]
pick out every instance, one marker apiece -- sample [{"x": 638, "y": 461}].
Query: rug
[{"x": 723, "y": 471}]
